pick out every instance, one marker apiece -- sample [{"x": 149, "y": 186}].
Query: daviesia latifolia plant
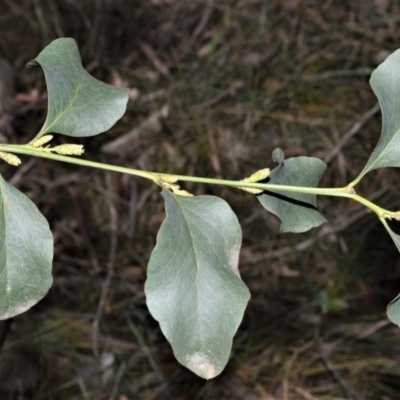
[{"x": 193, "y": 286}]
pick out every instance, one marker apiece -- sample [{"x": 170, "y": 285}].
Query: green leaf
[
  {"x": 193, "y": 287},
  {"x": 385, "y": 82},
  {"x": 393, "y": 310},
  {"x": 298, "y": 212},
  {"x": 394, "y": 236},
  {"x": 79, "y": 105},
  {"x": 278, "y": 155},
  {"x": 26, "y": 252}
]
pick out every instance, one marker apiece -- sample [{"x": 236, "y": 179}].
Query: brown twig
[
  {"x": 201, "y": 25},
  {"x": 354, "y": 129},
  {"x": 83, "y": 228},
  {"x": 154, "y": 59},
  {"x": 330, "y": 367},
  {"x": 110, "y": 270}
]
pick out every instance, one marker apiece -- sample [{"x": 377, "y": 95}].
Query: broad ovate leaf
[
  {"x": 385, "y": 82},
  {"x": 78, "y": 104},
  {"x": 297, "y": 212},
  {"x": 193, "y": 286},
  {"x": 26, "y": 252}
]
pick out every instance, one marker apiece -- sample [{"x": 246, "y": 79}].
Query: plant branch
[
  {"x": 31, "y": 151},
  {"x": 155, "y": 176},
  {"x": 160, "y": 178}
]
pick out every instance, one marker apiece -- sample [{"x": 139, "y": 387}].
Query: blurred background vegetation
[{"x": 215, "y": 86}]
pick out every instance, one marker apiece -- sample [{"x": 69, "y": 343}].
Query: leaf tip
[
  {"x": 278, "y": 155},
  {"x": 32, "y": 64},
  {"x": 201, "y": 365}
]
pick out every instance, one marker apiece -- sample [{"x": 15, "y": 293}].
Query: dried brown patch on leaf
[{"x": 201, "y": 364}]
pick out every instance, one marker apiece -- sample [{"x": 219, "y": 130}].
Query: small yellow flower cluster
[
  {"x": 254, "y": 178},
  {"x": 10, "y": 158},
  {"x": 63, "y": 149},
  {"x": 168, "y": 182}
]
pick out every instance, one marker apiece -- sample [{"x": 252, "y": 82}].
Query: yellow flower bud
[
  {"x": 254, "y": 178},
  {"x": 41, "y": 141},
  {"x": 69, "y": 149},
  {"x": 9, "y": 158}
]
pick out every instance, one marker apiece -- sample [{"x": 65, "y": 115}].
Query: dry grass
[{"x": 216, "y": 86}]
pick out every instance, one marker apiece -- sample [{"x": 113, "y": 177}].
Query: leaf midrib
[
  {"x": 182, "y": 208},
  {"x": 47, "y": 129}
]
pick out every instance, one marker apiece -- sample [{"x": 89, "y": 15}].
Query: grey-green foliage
[
  {"x": 394, "y": 236},
  {"x": 193, "y": 286},
  {"x": 298, "y": 212},
  {"x": 79, "y": 105},
  {"x": 385, "y": 82},
  {"x": 393, "y": 310},
  {"x": 26, "y": 252}
]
